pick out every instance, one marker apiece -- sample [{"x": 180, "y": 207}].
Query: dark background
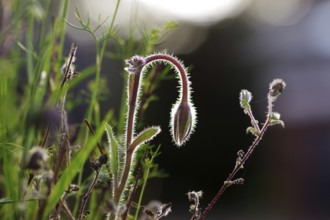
[{"x": 288, "y": 176}]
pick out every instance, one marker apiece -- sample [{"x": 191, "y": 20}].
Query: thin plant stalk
[
  {"x": 148, "y": 165},
  {"x": 99, "y": 58},
  {"x": 136, "y": 67},
  {"x": 87, "y": 195},
  {"x": 236, "y": 169},
  {"x": 275, "y": 89}
]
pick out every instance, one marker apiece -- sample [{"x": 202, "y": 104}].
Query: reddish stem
[
  {"x": 237, "y": 168},
  {"x": 133, "y": 95},
  {"x": 181, "y": 70}
]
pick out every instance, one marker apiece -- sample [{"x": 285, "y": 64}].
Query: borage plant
[
  {"x": 183, "y": 121},
  {"x": 120, "y": 159}
]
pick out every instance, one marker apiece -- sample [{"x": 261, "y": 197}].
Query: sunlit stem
[{"x": 134, "y": 84}]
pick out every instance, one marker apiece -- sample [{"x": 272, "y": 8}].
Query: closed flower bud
[
  {"x": 245, "y": 98},
  {"x": 135, "y": 64},
  {"x": 276, "y": 87},
  {"x": 183, "y": 122}
]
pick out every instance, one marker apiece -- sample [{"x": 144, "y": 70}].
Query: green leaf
[
  {"x": 146, "y": 135},
  {"x": 253, "y": 131},
  {"x": 114, "y": 156},
  {"x": 275, "y": 119}
]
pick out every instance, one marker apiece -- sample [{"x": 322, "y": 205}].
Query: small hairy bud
[
  {"x": 245, "y": 98},
  {"x": 275, "y": 119},
  {"x": 164, "y": 210},
  {"x": 102, "y": 160},
  {"x": 276, "y": 87},
  {"x": 73, "y": 188},
  {"x": 239, "y": 181},
  {"x": 135, "y": 64},
  {"x": 240, "y": 155},
  {"x": 183, "y": 122}
]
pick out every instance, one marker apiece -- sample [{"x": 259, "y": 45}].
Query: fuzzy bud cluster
[{"x": 135, "y": 64}]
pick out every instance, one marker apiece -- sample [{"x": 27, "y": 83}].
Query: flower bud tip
[{"x": 183, "y": 121}]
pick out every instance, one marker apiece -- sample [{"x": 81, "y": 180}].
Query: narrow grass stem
[
  {"x": 63, "y": 14},
  {"x": 144, "y": 179},
  {"x": 91, "y": 130},
  {"x": 99, "y": 58},
  {"x": 67, "y": 212}
]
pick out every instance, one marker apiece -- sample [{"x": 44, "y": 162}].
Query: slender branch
[
  {"x": 275, "y": 89},
  {"x": 87, "y": 195},
  {"x": 70, "y": 61},
  {"x": 92, "y": 132},
  {"x": 68, "y": 73},
  {"x": 254, "y": 122},
  {"x": 237, "y": 168},
  {"x": 145, "y": 177},
  {"x": 63, "y": 205},
  {"x": 67, "y": 211}
]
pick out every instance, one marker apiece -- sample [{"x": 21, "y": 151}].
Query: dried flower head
[
  {"x": 68, "y": 68},
  {"x": 37, "y": 159}
]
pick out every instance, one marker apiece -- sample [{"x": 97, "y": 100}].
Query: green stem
[
  {"x": 63, "y": 14},
  {"x": 29, "y": 55},
  {"x": 145, "y": 178},
  {"x": 99, "y": 58},
  {"x": 148, "y": 164}
]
